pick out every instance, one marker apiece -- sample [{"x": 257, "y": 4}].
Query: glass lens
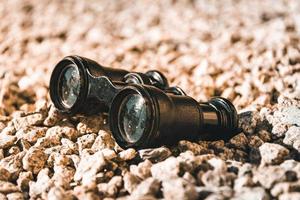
[
  {"x": 133, "y": 117},
  {"x": 69, "y": 85}
]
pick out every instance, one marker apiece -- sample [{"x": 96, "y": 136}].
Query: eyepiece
[{"x": 144, "y": 116}]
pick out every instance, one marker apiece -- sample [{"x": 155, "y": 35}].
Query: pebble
[
  {"x": 156, "y": 154},
  {"x": 149, "y": 186},
  {"x": 273, "y": 153},
  {"x": 7, "y": 141},
  {"x": 142, "y": 170},
  {"x": 131, "y": 182},
  {"x": 127, "y": 154},
  {"x": 290, "y": 196},
  {"x": 34, "y": 160},
  {"x": 248, "y": 121},
  {"x": 252, "y": 193},
  {"x": 179, "y": 188},
  {"x": 29, "y": 120},
  {"x": 292, "y": 137},
  {"x": 102, "y": 141},
  {"x": 89, "y": 166},
  {"x": 166, "y": 169},
  {"x": 7, "y": 187}
]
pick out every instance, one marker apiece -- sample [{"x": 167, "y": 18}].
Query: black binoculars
[{"x": 143, "y": 110}]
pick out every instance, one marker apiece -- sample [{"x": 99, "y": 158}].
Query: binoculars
[{"x": 143, "y": 111}]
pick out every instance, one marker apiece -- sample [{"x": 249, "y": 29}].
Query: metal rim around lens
[
  {"x": 115, "y": 119},
  {"x": 55, "y": 91}
]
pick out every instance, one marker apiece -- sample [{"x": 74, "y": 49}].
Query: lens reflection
[
  {"x": 70, "y": 85},
  {"x": 133, "y": 117}
]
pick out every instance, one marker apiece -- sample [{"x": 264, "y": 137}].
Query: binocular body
[{"x": 143, "y": 110}]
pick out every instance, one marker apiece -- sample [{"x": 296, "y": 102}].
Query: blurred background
[{"x": 247, "y": 51}]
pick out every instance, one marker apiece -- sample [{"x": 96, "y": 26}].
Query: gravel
[{"x": 207, "y": 48}]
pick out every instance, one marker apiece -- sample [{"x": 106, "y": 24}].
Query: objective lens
[
  {"x": 69, "y": 85},
  {"x": 133, "y": 117}
]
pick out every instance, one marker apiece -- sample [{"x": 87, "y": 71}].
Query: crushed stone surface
[{"x": 246, "y": 51}]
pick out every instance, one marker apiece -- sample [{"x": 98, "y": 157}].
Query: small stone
[
  {"x": 189, "y": 177},
  {"x": 4, "y": 174},
  {"x": 1, "y": 154},
  {"x": 218, "y": 164},
  {"x": 291, "y": 115},
  {"x": 142, "y": 170},
  {"x": 68, "y": 147},
  {"x": 103, "y": 140},
  {"x": 197, "y": 149},
  {"x": 7, "y": 140},
  {"x": 34, "y": 160},
  {"x": 86, "y": 141},
  {"x": 91, "y": 124},
  {"x": 127, "y": 154},
  {"x": 89, "y": 166},
  {"x": 63, "y": 175},
  {"x": 217, "y": 178},
  {"x": 114, "y": 185},
  {"x": 67, "y": 131},
  {"x": 279, "y": 129},
  {"x": 109, "y": 154},
  {"x": 53, "y": 117},
  {"x": 248, "y": 121},
  {"x": 15, "y": 196},
  {"x": 251, "y": 193},
  {"x": 24, "y": 179},
  {"x": 58, "y": 193},
  {"x": 29, "y": 120},
  {"x": 130, "y": 182},
  {"x": 156, "y": 154},
  {"x": 285, "y": 187},
  {"x": 255, "y": 141},
  {"x": 9, "y": 129},
  {"x": 239, "y": 141},
  {"x": 243, "y": 181},
  {"x": 13, "y": 164},
  {"x": 292, "y": 136},
  {"x": 179, "y": 189},
  {"x": 14, "y": 150},
  {"x": 31, "y": 134},
  {"x": 290, "y": 196},
  {"x": 269, "y": 176},
  {"x": 167, "y": 169},
  {"x": 264, "y": 135},
  {"x": 7, "y": 187},
  {"x": 273, "y": 153},
  {"x": 42, "y": 184},
  {"x": 150, "y": 186},
  {"x": 111, "y": 188}
]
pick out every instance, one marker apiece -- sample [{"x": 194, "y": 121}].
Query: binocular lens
[
  {"x": 69, "y": 85},
  {"x": 133, "y": 117}
]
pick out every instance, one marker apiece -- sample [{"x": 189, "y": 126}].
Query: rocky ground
[{"x": 246, "y": 51}]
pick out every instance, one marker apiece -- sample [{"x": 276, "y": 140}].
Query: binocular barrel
[
  {"x": 143, "y": 116},
  {"x": 75, "y": 82}
]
